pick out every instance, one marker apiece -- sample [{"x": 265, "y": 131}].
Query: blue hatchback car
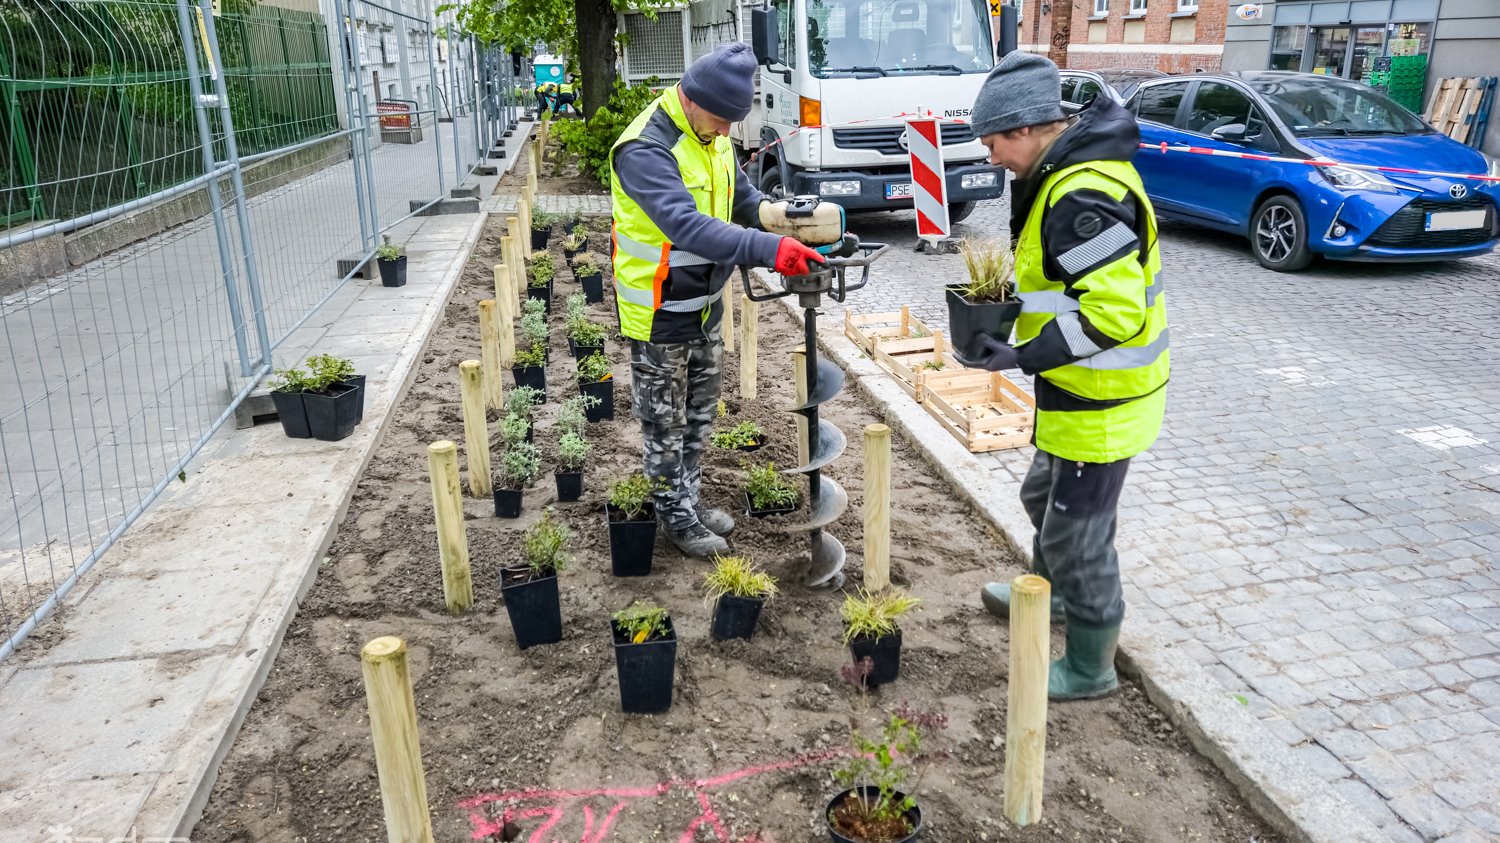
[{"x": 1294, "y": 212}]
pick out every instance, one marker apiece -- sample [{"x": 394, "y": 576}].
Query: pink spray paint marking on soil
[{"x": 571, "y": 808}]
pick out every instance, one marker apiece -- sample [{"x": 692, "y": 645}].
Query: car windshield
[
  {"x": 898, "y": 37},
  {"x": 1328, "y": 108}
]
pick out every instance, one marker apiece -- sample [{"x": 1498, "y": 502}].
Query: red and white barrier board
[{"x": 929, "y": 190}]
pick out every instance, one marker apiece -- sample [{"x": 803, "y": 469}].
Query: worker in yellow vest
[
  {"x": 1092, "y": 330},
  {"x": 685, "y": 216},
  {"x": 567, "y": 96}
]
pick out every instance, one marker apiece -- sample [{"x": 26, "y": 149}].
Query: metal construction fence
[{"x": 177, "y": 192}]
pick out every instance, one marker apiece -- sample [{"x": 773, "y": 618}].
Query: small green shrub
[
  {"x": 585, "y": 332},
  {"x": 531, "y": 357},
  {"x": 585, "y": 266},
  {"x": 577, "y": 307},
  {"x": 882, "y": 764},
  {"x": 737, "y": 576},
  {"x": 989, "y": 263},
  {"x": 572, "y": 451},
  {"x": 542, "y": 545},
  {"x": 389, "y": 251},
  {"x": 513, "y": 430},
  {"x": 542, "y": 221},
  {"x": 290, "y": 380},
  {"x": 534, "y": 307},
  {"x": 519, "y": 465},
  {"x": 631, "y": 495},
  {"x": 541, "y": 270},
  {"x": 534, "y": 330},
  {"x": 766, "y": 488},
  {"x": 570, "y": 413},
  {"x": 742, "y": 435},
  {"x": 641, "y": 621},
  {"x": 574, "y": 242},
  {"x": 522, "y": 400},
  {"x": 594, "y": 368}
]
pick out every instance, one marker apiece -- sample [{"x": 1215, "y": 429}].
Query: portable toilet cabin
[{"x": 548, "y": 68}]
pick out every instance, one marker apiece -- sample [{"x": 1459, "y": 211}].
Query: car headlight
[{"x": 1346, "y": 178}]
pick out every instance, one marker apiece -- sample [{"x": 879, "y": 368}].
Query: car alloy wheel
[{"x": 1279, "y": 240}]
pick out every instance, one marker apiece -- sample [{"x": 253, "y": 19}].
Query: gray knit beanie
[
  {"x": 723, "y": 82},
  {"x": 1023, "y": 90}
]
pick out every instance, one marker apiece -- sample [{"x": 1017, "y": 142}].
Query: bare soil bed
[{"x": 746, "y": 752}]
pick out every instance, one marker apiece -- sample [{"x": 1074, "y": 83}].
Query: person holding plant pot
[
  {"x": 1092, "y": 329},
  {"x": 684, "y": 217}
]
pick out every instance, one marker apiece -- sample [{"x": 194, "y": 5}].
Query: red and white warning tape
[{"x": 1165, "y": 147}]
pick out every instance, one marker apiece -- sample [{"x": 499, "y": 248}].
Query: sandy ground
[{"x": 756, "y": 728}]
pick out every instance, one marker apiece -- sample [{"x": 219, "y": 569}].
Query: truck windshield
[{"x": 898, "y": 37}]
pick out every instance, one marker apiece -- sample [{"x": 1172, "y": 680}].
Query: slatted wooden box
[
  {"x": 911, "y": 361},
  {"x": 985, "y": 410},
  {"x": 867, "y": 330}
]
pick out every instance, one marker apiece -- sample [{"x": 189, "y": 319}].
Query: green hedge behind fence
[{"x": 95, "y": 107}]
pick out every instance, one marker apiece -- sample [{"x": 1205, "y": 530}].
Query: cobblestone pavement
[
  {"x": 1319, "y": 525},
  {"x": 583, "y": 203}
]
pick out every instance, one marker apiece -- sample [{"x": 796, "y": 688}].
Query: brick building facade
[{"x": 1176, "y": 36}]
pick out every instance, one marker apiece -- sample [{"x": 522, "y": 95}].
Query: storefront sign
[{"x": 1249, "y": 11}]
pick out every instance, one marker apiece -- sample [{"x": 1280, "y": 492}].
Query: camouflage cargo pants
[{"x": 674, "y": 390}]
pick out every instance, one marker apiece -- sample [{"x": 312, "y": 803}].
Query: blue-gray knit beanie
[
  {"x": 1023, "y": 90},
  {"x": 723, "y": 82}
]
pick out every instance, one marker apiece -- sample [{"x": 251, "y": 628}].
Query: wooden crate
[
  {"x": 910, "y": 361},
  {"x": 870, "y": 329},
  {"x": 985, "y": 410}
]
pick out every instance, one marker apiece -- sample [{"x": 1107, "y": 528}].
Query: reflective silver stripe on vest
[
  {"x": 1154, "y": 290},
  {"x": 1075, "y": 260},
  {"x": 643, "y": 251},
  {"x": 647, "y": 298},
  {"x": 1121, "y": 357},
  {"x": 1072, "y": 330},
  {"x": 1047, "y": 301}
]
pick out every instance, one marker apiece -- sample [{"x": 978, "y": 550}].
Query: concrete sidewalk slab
[{"x": 120, "y": 712}]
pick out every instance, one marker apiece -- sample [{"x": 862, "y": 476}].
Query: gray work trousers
[
  {"x": 1073, "y": 507},
  {"x": 674, "y": 391}
]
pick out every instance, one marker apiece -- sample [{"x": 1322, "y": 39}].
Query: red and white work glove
[{"x": 793, "y": 258}]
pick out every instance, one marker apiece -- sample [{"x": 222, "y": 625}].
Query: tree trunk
[{"x": 596, "y": 52}]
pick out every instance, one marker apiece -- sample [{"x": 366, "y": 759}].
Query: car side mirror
[
  {"x": 1231, "y": 133},
  {"x": 764, "y": 24}
]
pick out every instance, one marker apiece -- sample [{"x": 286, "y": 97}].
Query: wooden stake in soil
[
  {"x": 749, "y": 368},
  {"x": 727, "y": 328},
  {"x": 877, "y": 507},
  {"x": 398, "y": 750},
  {"x": 476, "y": 428},
  {"x": 505, "y": 315},
  {"x": 490, "y": 354},
  {"x": 799, "y": 383},
  {"x": 517, "y": 259},
  {"x": 448, "y": 510},
  {"x": 1026, "y": 698},
  {"x": 523, "y": 234}
]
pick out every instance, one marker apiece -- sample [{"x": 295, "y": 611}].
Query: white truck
[{"x": 835, "y": 76}]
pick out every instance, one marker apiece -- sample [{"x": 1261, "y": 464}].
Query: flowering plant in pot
[
  {"x": 746, "y": 436},
  {"x": 767, "y": 492},
  {"x": 541, "y": 229},
  {"x": 738, "y": 590},
  {"x": 392, "y": 262},
  {"x": 987, "y": 304},
  {"x": 871, "y": 630},
  {"x": 519, "y": 465},
  {"x": 590, "y": 277},
  {"x": 596, "y": 379},
  {"x": 879, "y": 803},
  {"x": 645, "y": 657},
  {"x": 530, "y": 589},
  {"x": 630, "y": 517}
]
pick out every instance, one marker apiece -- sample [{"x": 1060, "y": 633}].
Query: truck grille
[
  {"x": 887, "y": 139},
  {"x": 1408, "y": 226}
]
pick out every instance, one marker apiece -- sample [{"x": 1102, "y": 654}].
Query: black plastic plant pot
[
  {"x": 532, "y": 376},
  {"x": 542, "y": 294},
  {"x": 913, "y": 815},
  {"x": 358, "y": 382},
  {"x": 292, "y": 413},
  {"x": 646, "y": 671},
  {"x": 508, "y": 503},
  {"x": 393, "y": 273},
  {"x": 533, "y": 606},
  {"x": 750, "y": 449},
  {"x": 735, "y": 617},
  {"x": 569, "y": 485},
  {"x": 884, "y": 653},
  {"x": 593, "y": 287},
  {"x": 766, "y": 513},
  {"x": 631, "y": 543},
  {"x": 539, "y": 239},
  {"x": 969, "y": 322},
  {"x": 581, "y": 351},
  {"x": 334, "y": 414},
  {"x": 605, "y": 391}
]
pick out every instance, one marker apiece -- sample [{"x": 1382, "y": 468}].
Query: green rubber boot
[
  {"x": 996, "y": 598},
  {"x": 1087, "y": 670}
]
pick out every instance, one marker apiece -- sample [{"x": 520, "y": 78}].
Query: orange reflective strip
[{"x": 661, "y": 275}]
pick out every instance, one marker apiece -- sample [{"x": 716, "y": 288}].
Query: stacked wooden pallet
[
  {"x": 984, "y": 410},
  {"x": 1460, "y": 107}
]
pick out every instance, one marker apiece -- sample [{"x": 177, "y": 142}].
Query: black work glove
[{"x": 998, "y": 357}]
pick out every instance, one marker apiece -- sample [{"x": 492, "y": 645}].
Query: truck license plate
[
  {"x": 1452, "y": 220},
  {"x": 898, "y": 190}
]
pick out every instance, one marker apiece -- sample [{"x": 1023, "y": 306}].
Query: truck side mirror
[
  {"x": 1008, "y": 26},
  {"x": 764, "y": 24}
]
